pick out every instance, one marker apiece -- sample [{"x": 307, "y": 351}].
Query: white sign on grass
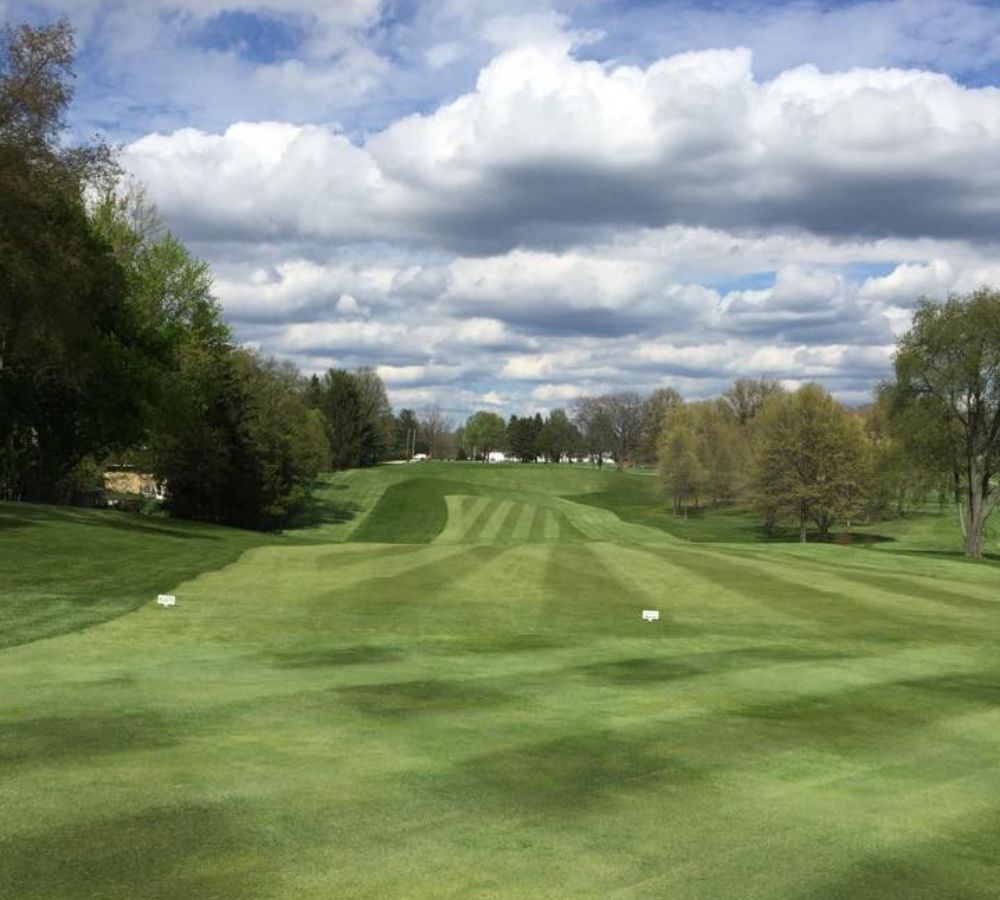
[
  {"x": 166, "y": 600},
  {"x": 651, "y": 615}
]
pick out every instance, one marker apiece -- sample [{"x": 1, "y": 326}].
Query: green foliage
[
  {"x": 311, "y": 443},
  {"x": 484, "y": 432},
  {"x": 234, "y": 436},
  {"x": 811, "y": 461},
  {"x": 360, "y": 426},
  {"x": 681, "y": 471},
  {"x": 375, "y": 409},
  {"x": 522, "y": 437},
  {"x": 702, "y": 453},
  {"x": 36, "y": 73},
  {"x": 282, "y": 443},
  {"x": 946, "y": 400},
  {"x": 558, "y": 437},
  {"x": 407, "y": 428},
  {"x": 110, "y": 339},
  {"x": 654, "y": 413},
  {"x": 67, "y": 339},
  {"x": 353, "y": 437},
  {"x": 901, "y": 478}
]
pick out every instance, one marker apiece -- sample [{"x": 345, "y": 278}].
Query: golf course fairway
[{"x": 440, "y": 686}]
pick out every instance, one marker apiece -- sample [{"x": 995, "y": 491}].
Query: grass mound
[
  {"x": 67, "y": 569},
  {"x": 410, "y": 512}
]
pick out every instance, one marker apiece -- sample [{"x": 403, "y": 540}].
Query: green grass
[
  {"x": 636, "y": 497},
  {"x": 67, "y": 569},
  {"x": 439, "y": 685}
]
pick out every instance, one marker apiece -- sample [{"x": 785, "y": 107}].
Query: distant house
[
  {"x": 496, "y": 456},
  {"x": 127, "y": 479},
  {"x": 419, "y": 457}
]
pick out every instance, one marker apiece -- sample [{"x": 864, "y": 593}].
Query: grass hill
[{"x": 439, "y": 685}]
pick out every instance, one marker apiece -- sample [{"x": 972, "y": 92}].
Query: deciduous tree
[
  {"x": 747, "y": 396},
  {"x": 681, "y": 472},
  {"x": 484, "y": 432},
  {"x": 611, "y": 422},
  {"x": 434, "y": 429},
  {"x": 654, "y": 413},
  {"x": 810, "y": 463},
  {"x": 67, "y": 385},
  {"x": 946, "y": 396}
]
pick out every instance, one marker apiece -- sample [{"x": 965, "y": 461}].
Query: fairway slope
[
  {"x": 64, "y": 570},
  {"x": 450, "y": 692}
]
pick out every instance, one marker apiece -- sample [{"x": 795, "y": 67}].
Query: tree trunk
[
  {"x": 977, "y": 511},
  {"x": 973, "y": 526},
  {"x": 802, "y": 525},
  {"x": 974, "y": 542}
]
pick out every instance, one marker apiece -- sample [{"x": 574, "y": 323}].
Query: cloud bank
[{"x": 506, "y": 205}]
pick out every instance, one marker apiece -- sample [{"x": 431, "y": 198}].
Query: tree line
[
  {"x": 114, "y": 349},
  {"x": 802, "y": 458}
]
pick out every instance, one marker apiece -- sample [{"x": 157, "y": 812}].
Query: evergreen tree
[
  {"x": 350, "y": 431},
  {"x": 558, "y": 436}
]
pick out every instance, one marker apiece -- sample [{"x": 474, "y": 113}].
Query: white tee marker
[
  {"x": 651, "y": 615},
  {"x": 166, "y": 600}
]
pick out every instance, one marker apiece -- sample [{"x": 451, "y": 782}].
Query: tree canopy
[
  {"x": 811, "y": 464},
  {"x": 66, "y": 330},
  {"x": 946, "y": 399},
  {"x": 484, "y": 432}
]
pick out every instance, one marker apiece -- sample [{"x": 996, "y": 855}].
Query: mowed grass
[
  {"x": 440, "y": 686},
  {"x": 62, "y": 570}
]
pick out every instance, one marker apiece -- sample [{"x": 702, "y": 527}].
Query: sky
[{"x": 504, "y": 205}]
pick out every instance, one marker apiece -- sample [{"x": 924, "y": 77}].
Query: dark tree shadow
[{"x": 320, "y": 510}]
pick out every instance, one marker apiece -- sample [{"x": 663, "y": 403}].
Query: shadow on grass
[
  {"x": 988, "y": 559},
  {"x": 407, "y": 698},
  {"x": 503, "y": 642},
  {"x": 15, "y": 515},
  {"x": 162, "y": 853},
  {"x": 576, "y": 772},
  {"x": 980, "y": 688},
  {"x": 42, "y": 740},
  {"x": 319, "y": 657},
  {"x": 320, "y": 509},
  {"x": 645, "y": 669},
  {"x": 9, "y": 523},
  {"x": 933, "y": 870},
  {"x": 128, "y": 522}
]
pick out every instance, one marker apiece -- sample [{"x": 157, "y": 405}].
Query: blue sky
[{"x": 507, "y": 204}]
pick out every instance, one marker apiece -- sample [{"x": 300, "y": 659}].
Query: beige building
[{"x": 130, "y": 480}]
